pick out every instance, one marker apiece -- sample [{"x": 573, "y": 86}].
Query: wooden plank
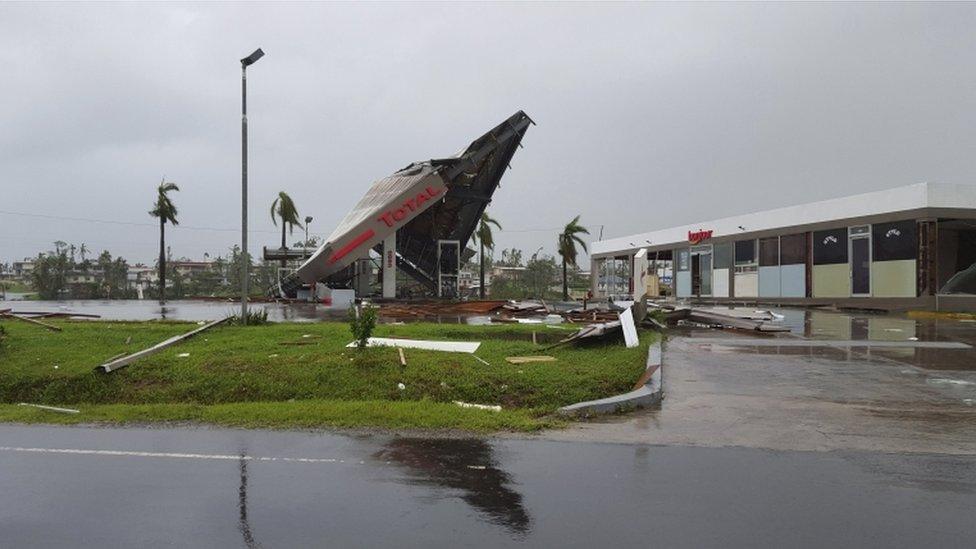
[
  {"x": 118, "y": 363},
  {"x": 66, "y": 313},
  {"x": 32, "y": 321},
  {"x": 527, "y": 359},
  {"x": 403, "y": 359}
]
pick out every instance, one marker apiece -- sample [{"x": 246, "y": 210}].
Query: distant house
[
  {"x": 140, "y": 276},
  {"x": 186, "y": 268},
  {"x": 22, "y": 269}
]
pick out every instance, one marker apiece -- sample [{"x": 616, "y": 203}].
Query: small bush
[
  {"x": 255, "y": 317},
  {"x": 362, "y": 320}
]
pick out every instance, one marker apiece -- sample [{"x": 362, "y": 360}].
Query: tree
[
  {"x": 567, "y": 242},
  {"x": 540, "y": 275},
  {"x": 239, "y": 261},
  {"x": 83, "y": 251},
  {"x": 284, "y": 208},
  {"x": 165, "y": 210},
  {"x": 485, "y": 239},
  {"x": 49, "y": 276},
  {"x": 511, "y": 258}
]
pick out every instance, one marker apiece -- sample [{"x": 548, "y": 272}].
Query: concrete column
[
  {"x": 596, "y": 266},
  {"x": 389, "y": 266},
  {"x": 639, "y": 274}
]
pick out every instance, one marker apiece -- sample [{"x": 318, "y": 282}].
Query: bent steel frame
[{"x": 423, "y": 203}]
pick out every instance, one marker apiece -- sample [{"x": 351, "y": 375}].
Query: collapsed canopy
[{"x": 425, "y": 202}]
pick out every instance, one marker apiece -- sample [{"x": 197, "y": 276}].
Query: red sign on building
[{"x": 695, "y": 237}]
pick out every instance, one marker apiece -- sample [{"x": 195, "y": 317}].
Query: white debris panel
[{"x": 446, "y": 346}]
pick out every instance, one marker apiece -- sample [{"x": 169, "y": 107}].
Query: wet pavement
[
  {"x": 837, "y": 381},
  {"x": 84, "y": 487}
]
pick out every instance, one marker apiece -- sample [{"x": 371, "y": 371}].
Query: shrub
[
  {"x": 254, "y": 318},
  {"x": 362, "y": 320}
]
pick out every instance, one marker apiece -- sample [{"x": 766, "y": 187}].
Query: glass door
[
  {"x": 706, "y": 274},
  {"x": 701, "y": 270},
  {"x": 860, "y": 252}
]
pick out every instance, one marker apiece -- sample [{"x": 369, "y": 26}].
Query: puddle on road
[{"x": 466, "y": 465}]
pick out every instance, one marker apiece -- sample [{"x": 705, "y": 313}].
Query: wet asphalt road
[{"x": 83, "y": 487}]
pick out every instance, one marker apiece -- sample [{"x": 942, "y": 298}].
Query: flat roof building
[{"x": 907, "y": 247}]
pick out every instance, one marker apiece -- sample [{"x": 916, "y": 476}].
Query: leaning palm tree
[
  {"x": 568, "y": 240},
  {"x": 284, "y": 208},
  {"x": 165, "y": 210},
  {"x": 485, "y": 239}
]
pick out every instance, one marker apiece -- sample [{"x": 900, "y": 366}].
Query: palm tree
[
  {"x": 568, "y": 240},
  {"x": 83, "y": 251},
  {"x": 284, "y": 208},
  {"x": 485, "y": 239},
  {"x": 165, "y": 210}
]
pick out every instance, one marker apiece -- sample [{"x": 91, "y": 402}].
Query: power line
[{"x": 136, "y": 224}]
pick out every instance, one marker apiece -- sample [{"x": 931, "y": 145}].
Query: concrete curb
[{"x": 648, "y": 394}]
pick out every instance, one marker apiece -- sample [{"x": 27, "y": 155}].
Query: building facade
[{"x": 908, "y": 247}]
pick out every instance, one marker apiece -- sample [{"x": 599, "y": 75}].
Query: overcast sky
[{"x": 649, "y": 115}]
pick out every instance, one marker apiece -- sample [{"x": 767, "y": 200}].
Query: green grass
[
  {"x": 302, "y": 375},
  {"x": 15, "y": 287}
]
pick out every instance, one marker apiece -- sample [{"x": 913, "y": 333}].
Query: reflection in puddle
[{"x": 465, "y": 465}]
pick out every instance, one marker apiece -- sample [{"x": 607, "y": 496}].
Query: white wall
[{"x": 720, "y": 283}]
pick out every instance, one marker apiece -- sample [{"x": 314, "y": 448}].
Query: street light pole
[
  {"x": 308, "y": 219},
  {"x": 249, "y": 60}
]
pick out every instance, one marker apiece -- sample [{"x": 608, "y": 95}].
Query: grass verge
[{"x": 303, "y": 375}]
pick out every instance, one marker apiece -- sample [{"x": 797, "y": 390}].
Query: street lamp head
[
  {"x": 308, "y": 219},
  {"x": 251, "y": 59}
]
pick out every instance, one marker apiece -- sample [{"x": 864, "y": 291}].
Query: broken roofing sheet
[{"x": 425, "y": 202}]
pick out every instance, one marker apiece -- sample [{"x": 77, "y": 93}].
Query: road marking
[{"x": 125, "y": 453}]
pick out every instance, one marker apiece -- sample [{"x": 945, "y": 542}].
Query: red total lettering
[{"x": 390, "y": 217}]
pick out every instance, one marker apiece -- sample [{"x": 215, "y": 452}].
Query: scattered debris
[
  {"x": 401, "y": 386},
  {"x": 51, "y": 314},
  {"x": 761, "y": 321},
  {"x": 183, "y": 355},
  {"x": 51, "y": 408},
  {"x": 31, "y": 321},
  {"x": 527, "y": 359},
  {"x": 481, "y": 360},
  {"x": 447, "y": 346},
  {"x": 630, "y": 330},
  {"x": 122, "y": 362},
  {"x": 495, "y": 408},
  {"x": 403, "y": 359}
]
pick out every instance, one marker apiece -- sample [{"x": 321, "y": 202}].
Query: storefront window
[
  {"x": 683, "y": 260},
  {"x": 745, "y": 252},
  {"x": 830, "y": 247},
  {"x": 722, "y": 254},
  {"x": 769, "y": 252},
  {"x": 793, "y": 249},
  {"x": 893, "y": 241}
]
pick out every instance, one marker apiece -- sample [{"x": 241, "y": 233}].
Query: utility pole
[{"x": 245, "y": 275}]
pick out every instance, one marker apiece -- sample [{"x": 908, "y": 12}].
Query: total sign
[{"x": 359, "y": 239}]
